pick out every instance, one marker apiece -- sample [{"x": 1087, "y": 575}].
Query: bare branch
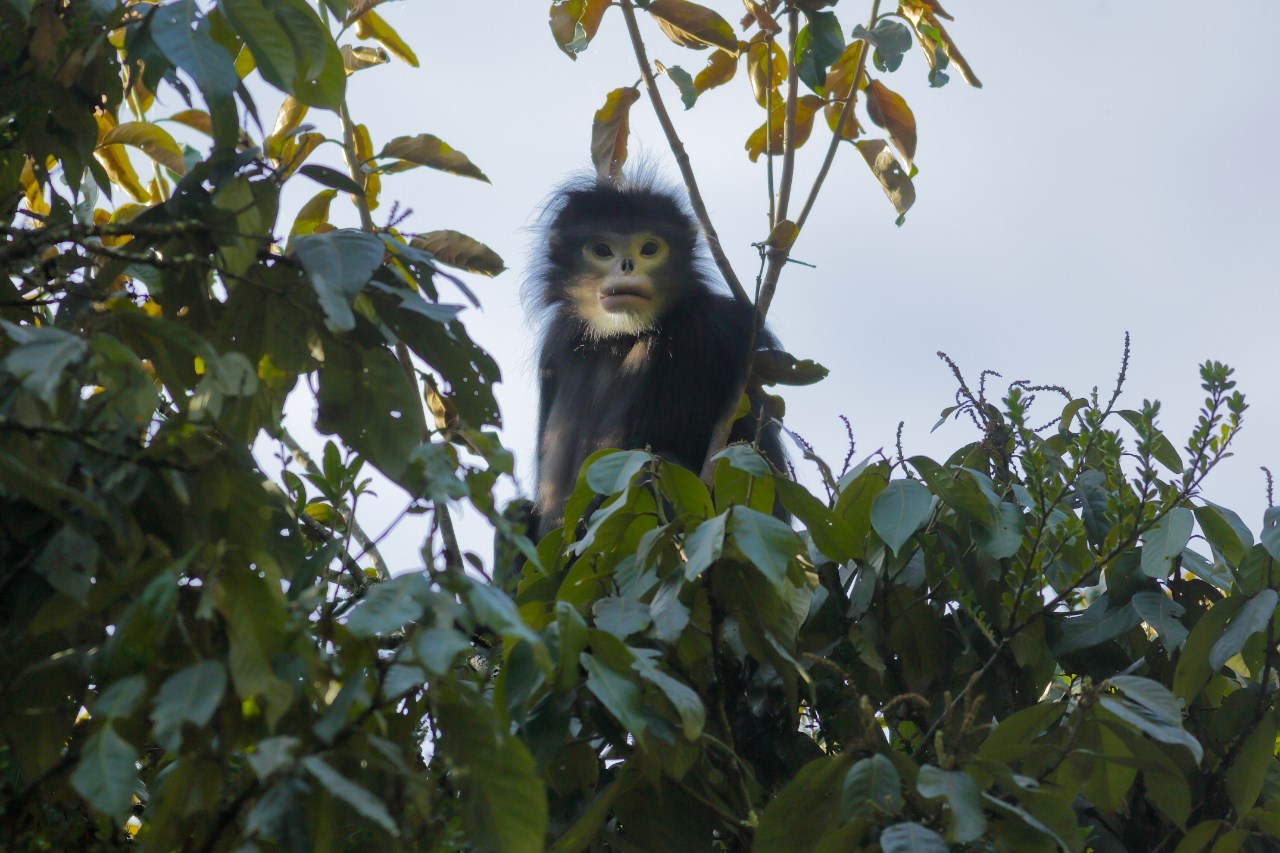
[{"x": 681, "y": 157}]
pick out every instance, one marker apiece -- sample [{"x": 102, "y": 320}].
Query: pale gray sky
[{"x": 1111, "y": 175}]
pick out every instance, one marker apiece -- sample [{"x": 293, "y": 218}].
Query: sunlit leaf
[
  {"x": 428, "y": 150},
  {"x": 458, "y": 250},
  {"x": 609, "y": 132},
  {"x": 574, "y": 23},
  {"x": 719, "y": 70},
  {"x": 690, "y": 25},
  {"x": 360, "y": 57},
  {"x": 806, "y": 107},
  {"x": 927, "y": 26},
  {"x": 371, "y": 25},
  {"x": 889, "y": 110}
]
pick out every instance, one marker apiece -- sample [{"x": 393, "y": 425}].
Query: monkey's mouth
[{"x": 622, "y": 297}]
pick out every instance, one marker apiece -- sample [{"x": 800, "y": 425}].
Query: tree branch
[{"x": 681, "y": 157}]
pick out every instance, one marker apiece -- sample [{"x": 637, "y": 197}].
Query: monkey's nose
[{"x": 628, "y": 265}]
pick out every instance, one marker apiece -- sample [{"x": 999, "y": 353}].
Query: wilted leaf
[
  {"x": 609, "y": 132},
  {"x": 927, "y": 26},
  {"x": 371, "y": 25},
  {"x": 427, "y": 150},
  {"x": 782, "y": 237},
  {"x": 362, "y": 56},
  {"x": 458, "y": 250},
  {"x": 289, "y": 116},
  {"x": 690, "y": 25},
  {"x": 888, "y": 109},
  {"x": 574, "y": 24},
  {"x": 895, "y": 182}
]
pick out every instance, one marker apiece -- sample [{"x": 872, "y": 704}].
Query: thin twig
[
  {"x": 846, "y": 113},
  {"x": 681, "y": 157}
]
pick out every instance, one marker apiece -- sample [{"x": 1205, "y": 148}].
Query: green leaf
[
  {"x": 618, "y": 693},
  {"x": 1271, "y": 532},
  {"x": 1015, "y": 734},
  {"x": 1161, "y": 612},
  {"x": 390, "y": 605},
  {"x": 267, "y": 40},
  {"x": 899, "y": 510},
  {"x": 1091, "y": 488},
  {"x": 1162, "y": 448},
  {"x": 1193, "y": 663},
  {"x": 1144, "y": 720},
  {"x": 765, "y": 542},
  {"x": 819, "y": 44},
  {"x": 321, "y": 78},
  {"x": 1255, "y": 617},
  {"x": 1225, "y": 531},
  {"x": 1164, "y": 542},
  {"x": 120, "y": 699},
  {"x": 891, "y": 40},
  {"x": 620, "y": 616},
  {"x": 611, "y": 474},
  {"x": 963, "y": 797},
  {"x": 693, "y": 716},
  {"x": 871, "y": 787},
  {"x": 911, "y": 838},
  {"x": 330, "y": 177},
  {"x": 776, "y": 367},
  {"x": 1003, "y": 538},
  {"x": 191, "y": 695},
  {"x": 1151, "y": 695},
  {"x": 352, "y": 794},
  {"x": 183, "y": 38},
  {"x": 107, "y": 773},
  {"x": 815, "y": 793},
  {"x": 1248, "y": 771},
  {"x": 43, "y": 354},
  {"x": 683, "y": 81},
  {"x": 339, "y": 264},
  {"x": 1095, "y": 625},
  {"x": 272, "y": 755},
  {"x": 437, "y": 649},
  {"x": 832, "y": 535}
]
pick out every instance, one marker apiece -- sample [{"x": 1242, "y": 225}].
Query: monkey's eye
[
  {"x": 602, "y": 250},
  {"x": 650, "y": 248}
]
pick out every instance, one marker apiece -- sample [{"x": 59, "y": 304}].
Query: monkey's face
[{"x": 624, "y": 282}]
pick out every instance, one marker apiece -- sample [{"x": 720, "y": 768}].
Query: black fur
[{"x": 665, "y": 388}]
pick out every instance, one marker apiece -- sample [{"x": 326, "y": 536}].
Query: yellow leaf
[
  {"x": 690, "y": 25},
  {"x": 783, "y": 236},
  {"x": 895, "y": 182},
  {"x": 372, "y": 187},
  {"x": 806, "y": 107},
  {"x": 839, "y": 84},
  {"x": 245, "y": 63},
  {"x": 372, "y": 26},
  {"x": 720, "y": 70},
  {"x": 151, "y": 140},
  {"x": 356, "y": 8},
  {"x": 290, "y": 115},
  {"x": 361, "y": 56},
  {"x": 609, "y": 132},
  {"x": 427, "y": 150},
  {"x": 312, "y": 213},
  {"x": 195, "y": 119},
  {"x": 364, "y": 145},
  {"x": 152, "y": 308},
  {"x": 115, "y": 162},
  {"x": 296, "y": 151},
  {"x": 458, "y": 250},
  {"x": 766, "y": 69}
]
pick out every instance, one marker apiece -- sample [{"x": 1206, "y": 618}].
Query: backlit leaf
[
  {"x": 895, "y": 182},
  {"x": 690, "y": 25},
  {"x": 458, "y": 250},
  {"x": 609, "y": 131},
  {"x": 428, "y": 150},
  {"x": 151, "y": 140},
  {"x": 371, "y": 25},
  {"x": 889, "y": 110}
]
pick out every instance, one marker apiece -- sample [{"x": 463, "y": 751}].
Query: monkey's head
[{"x": 618, "y": 258}]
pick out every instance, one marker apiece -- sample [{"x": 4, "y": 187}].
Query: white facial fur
[{"x": 620, "y": 288}]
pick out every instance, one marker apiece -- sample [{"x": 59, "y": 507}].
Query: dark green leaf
[
  {"x": 390, "y": 605},
  {"x": 1162, "y": 448},
  {"x": 1161, "y": 612},
  {"x": 1255, "y": 617},
  {"x": 183, "y": 38},
  {"x": 339, "y": 265},
  {"x": 1147, "y": 722},
  {"x": 360, "y": 799},
  {"x": 43, "y": 354},
  {"x": 330, "y": 177},
  {"x": 819, "y": 44},
  {"x": 612, "y": 474},
  {"x": 963, "y": 797},
  {"x": 1248, "y": 771},
  {"x": 776, "y": 367},
  {"x": 106, "y": 773},
  {"x": 621, "y": 617},
  {"x": 1164, "y": 542},
  {"x": 704, "y": 545},
  {"x": 1193, "y": 663},
  {"x": 1225, "y": 531},
  {"x": 814, "y": 792},
  {"x": 911, "y": 838},
  {"x": 871, "y": 787},
  {"x": 190, "y": 695},
  {"x": 765, "y": 542}
]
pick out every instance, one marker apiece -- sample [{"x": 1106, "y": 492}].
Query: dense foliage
[{"x": 1045, "y": 641}]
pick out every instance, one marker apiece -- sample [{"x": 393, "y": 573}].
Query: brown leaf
[
  {"x": 806, "y": 108},
  {"x": 456, "y": 249},
  {"x": 720, "y": 70},
  {"x": 427, "y": 150},
  {"x": 758, "y": 13},
  {"x": 920, "y": 14},
  {"x": 897, "y": 185},
  {"x": 763, "y": 73},
  {"x": 839, "y": 83},
  {"x": 567, "y": 16},
  {"x": 888, "y": 109},
  {"x": 690, "y": 25},
  {"x": 609, "y": 133}
]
